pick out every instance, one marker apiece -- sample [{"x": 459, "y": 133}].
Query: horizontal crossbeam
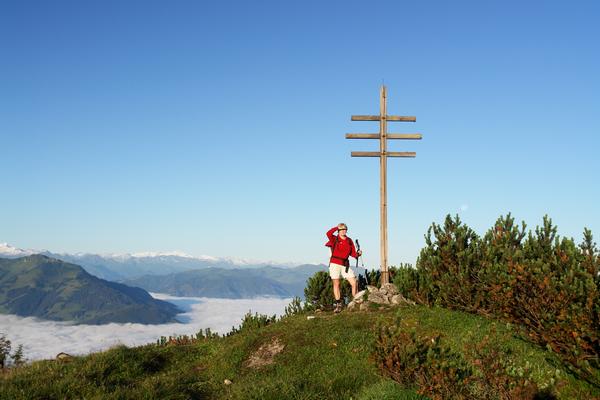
[
  {"x": 413, "y": 136},
  {"x": 388, "y": 117},
  {"x": 401, "y": 118},
  {"x": 388, "y": 154}
]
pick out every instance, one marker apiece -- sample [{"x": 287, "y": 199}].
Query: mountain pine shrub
[
  {"x": 318, "y": 292},
  {"x": 5, "y": 347},
  {"x": 15, "y": 359},
  {"x": 373, "y": 276},
  {"x": 422, "y": 361},
  {"x": 425, "y": 361},
  {"x": 554, "y": 296},
  {"x": 450, "y": 264},
  {"x": 413, "y": 284},
  {"x": 539, "y": 281},
  {"x": 253, "y": 322}
]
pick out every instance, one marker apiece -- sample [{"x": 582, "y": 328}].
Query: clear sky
[{"x": 218, "y": 127}]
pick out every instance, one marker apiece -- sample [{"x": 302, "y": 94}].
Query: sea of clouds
[{"x": 43, "y": 339}]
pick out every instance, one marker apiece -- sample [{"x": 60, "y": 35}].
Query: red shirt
[{"x": 342, "y": 248}]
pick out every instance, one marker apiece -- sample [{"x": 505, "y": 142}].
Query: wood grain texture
[
  {"x": 401, "y": 118},
  {"x": 365, "y": 154},
  {"x": 383, "y": 183},
  {"x": 395, "y": 118},
  {"x": 405, "y": 136},
  {"x": 401, "y": 136},
  {"x": 362, "y": 136},
  {"x": 401, "y": 154},
  {"x": 365, "y": 118}
]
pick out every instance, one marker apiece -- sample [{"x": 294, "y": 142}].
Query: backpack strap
[
  {"x": 344, "y": 260},
  {"x": 334, "y": 244}
]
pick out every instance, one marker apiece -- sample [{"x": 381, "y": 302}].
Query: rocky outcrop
[{"x": 386, "y": 295}]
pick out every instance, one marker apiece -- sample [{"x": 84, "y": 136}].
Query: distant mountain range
[
  {"x": 121, "y": 267},
  {"x": 231, "y": 283},
  {"x": 180, "y": 274},
  {"x": 49, "y": 288}
]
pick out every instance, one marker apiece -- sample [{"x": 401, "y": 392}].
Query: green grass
[{"x": 324, "y": 358}]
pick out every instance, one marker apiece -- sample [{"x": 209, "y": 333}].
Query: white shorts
[{"x": 337, "y": 271}]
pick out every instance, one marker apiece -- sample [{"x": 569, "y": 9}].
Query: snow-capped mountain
[
  {"x": 8, "y": 251},
  {"x": 118, "y": 267}
]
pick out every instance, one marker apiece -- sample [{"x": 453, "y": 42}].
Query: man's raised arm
[{"x": 330, "y": 233}]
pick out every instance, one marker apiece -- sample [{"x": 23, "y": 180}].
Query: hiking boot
[{"x": 338, "y": 308}]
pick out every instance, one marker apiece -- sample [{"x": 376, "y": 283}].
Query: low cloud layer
[{"x": 42, "y": 339}]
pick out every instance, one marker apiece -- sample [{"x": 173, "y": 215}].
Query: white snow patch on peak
[
  {"x": 241, "y": 262},
  {"x": 8, "y": 250},
  {"x": 161, "y": 254},
  {"x": 206, "y": 258},
  {"x": 148, "y": 254}
]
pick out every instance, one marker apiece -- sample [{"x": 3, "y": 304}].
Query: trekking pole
[
  {"x": 348, "y": 266},
  {"x": 362, "y": 262}
]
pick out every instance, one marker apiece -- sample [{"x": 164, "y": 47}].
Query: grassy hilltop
[{"x": 328, "y": 357}]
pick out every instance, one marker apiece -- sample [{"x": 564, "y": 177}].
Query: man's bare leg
[
  {"x": 354, "y": 285},
  {"x": 337, "y": 295}
]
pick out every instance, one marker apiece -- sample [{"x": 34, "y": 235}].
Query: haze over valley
[
  {"x": 80, "y": 303},
  {"x": 44, "y": 339}
]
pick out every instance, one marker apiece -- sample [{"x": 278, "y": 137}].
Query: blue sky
[{"x": 218, "y": 127}]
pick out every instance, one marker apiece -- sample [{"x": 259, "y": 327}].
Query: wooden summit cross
[{"x": 383, "y": 154}]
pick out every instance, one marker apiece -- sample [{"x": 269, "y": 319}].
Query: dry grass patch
[{"x": 265, "y": 354}]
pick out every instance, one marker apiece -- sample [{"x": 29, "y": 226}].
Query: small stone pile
[{"x": 388, "y": 295}]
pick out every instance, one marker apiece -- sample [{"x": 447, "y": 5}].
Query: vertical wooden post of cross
[
  {"x": 383, "y": 183},
  {"x": 383, "y": 154}
]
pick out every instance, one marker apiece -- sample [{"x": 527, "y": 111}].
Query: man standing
[{"x": 342, "y": 247}]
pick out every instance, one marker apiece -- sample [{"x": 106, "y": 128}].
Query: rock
[
  {"x": 360, "y": 294},
  {"x": 353, "y": 304},
  {"x": 364, "y": 307},
  {"x": 378, "y": 298},
  {"x": 389, "y": 288},
  {"x": 372, "y": 289},
  {"x": 318, "y": 311},
  {"x": 310, "y": 317},
  {"x": 227, "y": 382},
  {"x": 64, "y": 357},
  {"x": 399, "y": 299}
]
